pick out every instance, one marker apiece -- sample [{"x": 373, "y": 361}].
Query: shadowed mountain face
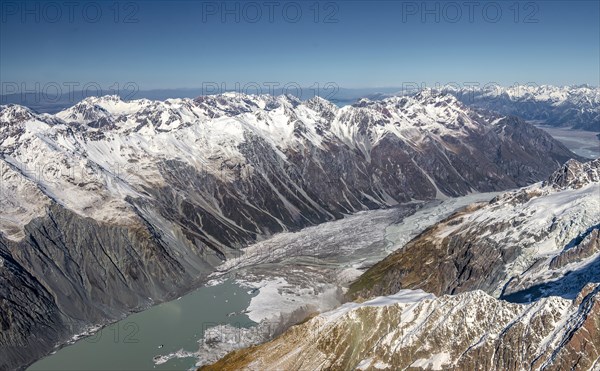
[
  {"x": 511, "y": 284},
  {"x": 111, "y": 206}
]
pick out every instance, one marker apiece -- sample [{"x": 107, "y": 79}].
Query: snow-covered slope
[
  {"x": 415, "y": 330},
  {"x": 92, "y": 156},
  {"x": 575, "y": 106}
]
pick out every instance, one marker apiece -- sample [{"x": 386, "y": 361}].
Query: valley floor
[
  {"x": 300, "y": 274},
  {"x": 584, "y": 143},
  {"x": 271, "y": 285}
]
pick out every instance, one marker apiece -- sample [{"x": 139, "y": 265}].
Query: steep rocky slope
[{"x": 111, "y": 206}]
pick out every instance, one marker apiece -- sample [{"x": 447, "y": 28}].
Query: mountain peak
[
  {"x": 113, "y": 98},
  {"x": 428, "y": 96},
  {"x": 14, "y": 113},
  {"x": 321, "y": 105},
  {"x": 574, "y": 174}
]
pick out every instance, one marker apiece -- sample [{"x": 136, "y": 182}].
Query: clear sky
[{"x": 355, "y": 44}]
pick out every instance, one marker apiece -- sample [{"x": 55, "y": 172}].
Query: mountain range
[
  {"x": 111, "y": 206},
  {"x": 569, "y": 106}
]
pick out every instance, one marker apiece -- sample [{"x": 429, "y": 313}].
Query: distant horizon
[
  {"x": 50, "y": 89},
  {"x": 339, "y": 95}
]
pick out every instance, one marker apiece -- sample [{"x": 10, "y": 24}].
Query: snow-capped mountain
[
  {"x": 572, "y": 106},
  {"x": 416, "y": 147},
  {"x": 511, "y": 284},
  {"x": 111, "y": 205}
]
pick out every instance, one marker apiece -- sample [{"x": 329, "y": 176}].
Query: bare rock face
[
  {"x": 469, "y": 331},
  {"x": 450, "y": 264},
  {"x": 70, "y": 272},
  {"x": 29, "y": 303},
  {"x": 575, "y": 174},
  {"x": 109, "y": 203},
  {"x": 580, "y": 249}
]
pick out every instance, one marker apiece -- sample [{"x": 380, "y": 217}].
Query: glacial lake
[{"x": 132, "y": 343}]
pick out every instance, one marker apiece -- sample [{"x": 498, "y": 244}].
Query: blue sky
[{"x": 355, "y": 44}]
